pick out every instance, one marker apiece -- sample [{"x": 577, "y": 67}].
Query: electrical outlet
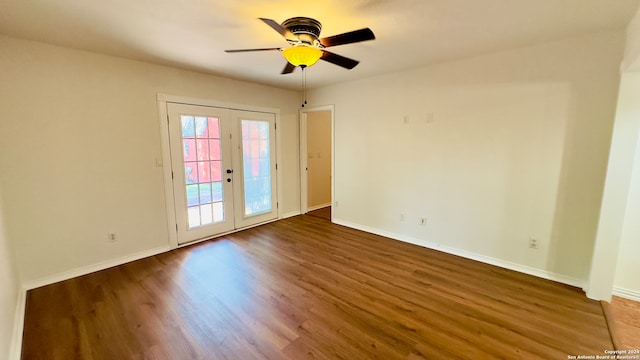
[
  {"x": 112, "y": 237},
  {"x": 533, "y": 243},
  {"x": 423, "y": 221}
]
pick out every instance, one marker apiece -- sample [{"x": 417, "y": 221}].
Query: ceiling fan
[{"x": 306, "y": 46}]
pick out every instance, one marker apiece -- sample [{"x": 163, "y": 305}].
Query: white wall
[
  {"x": 80, "y": 137},
  {"x": 628, "y": 264},
  {"x": 615, "y": 266},
  {"x": 631, "y": 61},
  {"x": 627, "y": 281},
  {"x": 615, "y": 202},
  {"x": 492, "y": 150},
  {"x": 8, "y": 290}
]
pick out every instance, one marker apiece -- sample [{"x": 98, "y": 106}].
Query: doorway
[
  {"x": 316, "y": 157},
  {"x": 223, "y": 169}
]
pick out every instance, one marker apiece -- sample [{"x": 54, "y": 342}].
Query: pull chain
[{"x": 304, "y": 85}]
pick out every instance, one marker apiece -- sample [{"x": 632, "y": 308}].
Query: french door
[{"x": 223, "y": 165}]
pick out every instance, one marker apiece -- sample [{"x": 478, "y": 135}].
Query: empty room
[{"x": 388, "y": 179}]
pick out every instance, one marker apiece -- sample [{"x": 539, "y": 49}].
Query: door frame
[
  {"x": 303, "y": 155},
  {"x": 165, "y": 160}
]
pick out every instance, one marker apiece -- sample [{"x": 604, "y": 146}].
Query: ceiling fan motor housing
[
  {"x": 305, "y": 45},
  {"x": 306, "y": 29}
]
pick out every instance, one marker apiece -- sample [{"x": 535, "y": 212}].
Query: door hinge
[
  {"x": 276, "y": 166},
  {"x": 176, "y": 227},
  {"x": 167, "y": 118},
  {"x": 277, "y": 205},
  {"x": 171, "y": 175}
]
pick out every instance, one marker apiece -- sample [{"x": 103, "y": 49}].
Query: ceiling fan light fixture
[{"x": 302, "y": 55}]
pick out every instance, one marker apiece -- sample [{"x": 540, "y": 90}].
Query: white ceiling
[{"x": 193, "y": 34}]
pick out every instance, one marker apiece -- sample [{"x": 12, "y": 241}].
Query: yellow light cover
[{"x": 302, "y": 55}]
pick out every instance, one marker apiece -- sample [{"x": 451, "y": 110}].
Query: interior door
[
  {"x": 200, "y": 157},
  {"x": 224, "y": 169}
]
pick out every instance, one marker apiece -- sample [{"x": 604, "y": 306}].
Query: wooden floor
[
  {"x": 623, "y": 318},
  {"x": 324, "y": 213},
  {"x": 303, "y": 288}
]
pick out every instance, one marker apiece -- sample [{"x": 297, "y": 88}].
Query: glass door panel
[
  {"x": 199, "y": 167},
  {"x": 257, "y": 156},
  {"x": 256, "y": 160}
]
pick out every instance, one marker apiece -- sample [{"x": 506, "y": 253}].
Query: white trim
[
  {"x": 333, "y": 159},
  {"x": 279, "y": 176},
  {"x": 215, "y": 103},
  {"x": 66, "y": 275},
  {"x": 291, "y": 214},
  {"x": 626, "y": 293},
  {"x": 318, "y": 207},
  {"x": 303, "y": 162},
  {"x": 303, "y": 154},
  {"x": 15, "y": 349},
  {"x": 467, "y": 254},
  {"x": 170, "y": 206}
]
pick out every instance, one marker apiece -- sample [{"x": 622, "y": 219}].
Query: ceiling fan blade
[
  {"x": 277, "y": 27},
  {"x": 247, "y": 50},
  {"x": 288, "y": 69},
  {"x": 348, "y": 37},
  {"x": 339, "y": 60}
]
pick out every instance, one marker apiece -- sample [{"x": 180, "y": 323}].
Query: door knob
[
  {"x": 229, "y": 171},
  {"x": 229, "y": 180}
]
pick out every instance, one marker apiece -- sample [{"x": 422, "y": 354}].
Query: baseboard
[
  {"x": 290, "y": 214},
  {"x": 467, "y": 254},
  {"x": 66, "y": 275},
  {"x": 626, "y": 293},
  {"x": 15, "y": 351},
  {"x": 318, "y": 207},
  {"x": 18, "y": 328}
]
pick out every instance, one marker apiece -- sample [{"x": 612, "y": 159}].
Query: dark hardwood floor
[
  {"x": 324, "y": 213},
  {"x": 303, "y": 288}
]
